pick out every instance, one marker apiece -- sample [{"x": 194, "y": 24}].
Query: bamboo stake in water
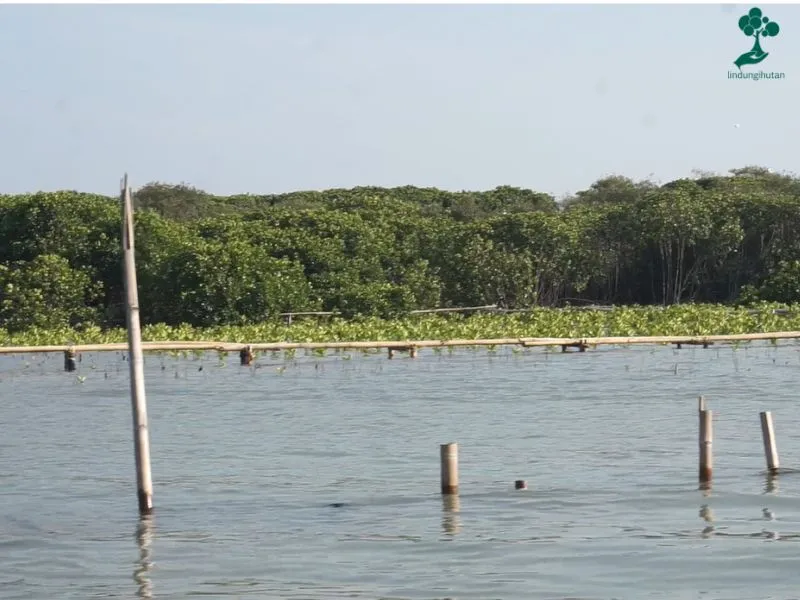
[
  {"x": 448, "y": 456},
  {"x": 706, "y": 442},
  {"x": 141, "y": 438},
  {"x": 246, "y": 356},
  {"x": 69, "y": 360},
  {"x": 770, "y": 449}
]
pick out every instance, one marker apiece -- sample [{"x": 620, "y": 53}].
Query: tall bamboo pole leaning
[{"x": 141, "y": 436}]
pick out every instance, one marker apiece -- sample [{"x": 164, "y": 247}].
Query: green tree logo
[{"x": 755, "y": 24}]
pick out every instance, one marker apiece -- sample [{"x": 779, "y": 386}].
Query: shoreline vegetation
[
  {"x": 688, "y": 257},
  {"x": 624, "y": 321}
]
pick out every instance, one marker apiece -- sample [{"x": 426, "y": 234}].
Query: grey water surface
[{"x": 317, "y": 478}]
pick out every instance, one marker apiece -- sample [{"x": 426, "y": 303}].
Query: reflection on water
[
  {"x": 141, "y": 572},
  {"x": 706, "y": 513},
  {"x": 771, "y": 484},
  {"x": 451, "y": 506},
  {"x": 708, "y": 516}
]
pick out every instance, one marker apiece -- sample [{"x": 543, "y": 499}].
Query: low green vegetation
[
  {"x": 545, "y": 322},
  {"x": 225, "y": 267}
]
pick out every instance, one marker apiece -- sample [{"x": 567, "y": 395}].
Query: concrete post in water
[
  {"x": 770, "y": 449},
  {"x": 706, "y": 442},
  {"x": 69, "y": 360},
  {"x": 246, "y": 356},
  {"x": 141, "y": 436},
  {"x": 448, "y": 456}
]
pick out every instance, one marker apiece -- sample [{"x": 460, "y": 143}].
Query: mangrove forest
[{"x": 371, "y": 252}]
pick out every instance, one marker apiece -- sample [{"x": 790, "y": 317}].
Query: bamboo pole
[
  {"x": 448, "y": 457},
  {"x": 770, "y": 448},
  {"x": 431, "y": 311},
  {"x": 141, "y": 438},
  {"x": 525, "y": 342},
  {"x": 246, "y": 356},
  {"x": 69, "y": 360},
  {"x": 706, "y": 445},
  {"x": 308, "y": 314}
]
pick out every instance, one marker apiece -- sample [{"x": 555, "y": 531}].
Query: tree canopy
[{"x": 211, "y": 260}]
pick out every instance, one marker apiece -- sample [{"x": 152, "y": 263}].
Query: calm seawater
[{"x": 249, "y": 461}]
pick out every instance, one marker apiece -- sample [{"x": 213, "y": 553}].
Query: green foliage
[
  {"x": 782, "y": 284},
  {"x": 45, "y": 293},
  {"x": 615, "y": 189},
  {"x": 372, "y": 252},
  {"x": 544, "y": 322}
]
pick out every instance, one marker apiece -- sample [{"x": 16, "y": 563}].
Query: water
[{"x": 320, "y": 480}]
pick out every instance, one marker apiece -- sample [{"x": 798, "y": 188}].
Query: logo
[{"x": 757, "y": 25}]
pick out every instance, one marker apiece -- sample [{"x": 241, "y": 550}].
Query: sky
[{"x": 276, "y": 98}]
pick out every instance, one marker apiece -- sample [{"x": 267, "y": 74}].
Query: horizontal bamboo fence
[
  {"x": 289, "y": 316},
  {"x": 581, "y": 343},
  {"x": 494, "y": 308}
]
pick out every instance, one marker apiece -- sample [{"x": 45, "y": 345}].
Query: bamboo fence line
[
  {"x": 289, "y": 316},
  {"x": 494, "y": 308},
  {"x": 529, "y": 342}
]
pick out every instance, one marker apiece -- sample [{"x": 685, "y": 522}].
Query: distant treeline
[{"x": 207, "y": 260}]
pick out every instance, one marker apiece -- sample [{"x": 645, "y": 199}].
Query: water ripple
[{"x": 321, "y": 481}]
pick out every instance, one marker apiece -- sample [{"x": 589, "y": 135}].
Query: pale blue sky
[{"x": 270, "y": 98}]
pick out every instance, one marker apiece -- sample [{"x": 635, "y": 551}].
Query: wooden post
[
  {"x": 391, "y": 353},
  {"x": 412, "y": 352},
  {"x": 706, "y": 441},
  {"x": 246, "y": 355},
  {"x": 701, "y": 403},
  {"x": 770, "y": 449},
  {"x": 69, "y": 360},
  {"x": 448, "y": 455},
  {"x": 141, "y": 437}
]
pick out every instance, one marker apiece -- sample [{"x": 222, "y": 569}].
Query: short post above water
[
  {"x": 69, "y": 360},
  {"x": 141, "y": 436},
  {"x": 706, "y": 439},
  {"x": 246, "y": 356},
  {"x": 448, "y": 456},
  {"x": 770, "y": 449}
]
